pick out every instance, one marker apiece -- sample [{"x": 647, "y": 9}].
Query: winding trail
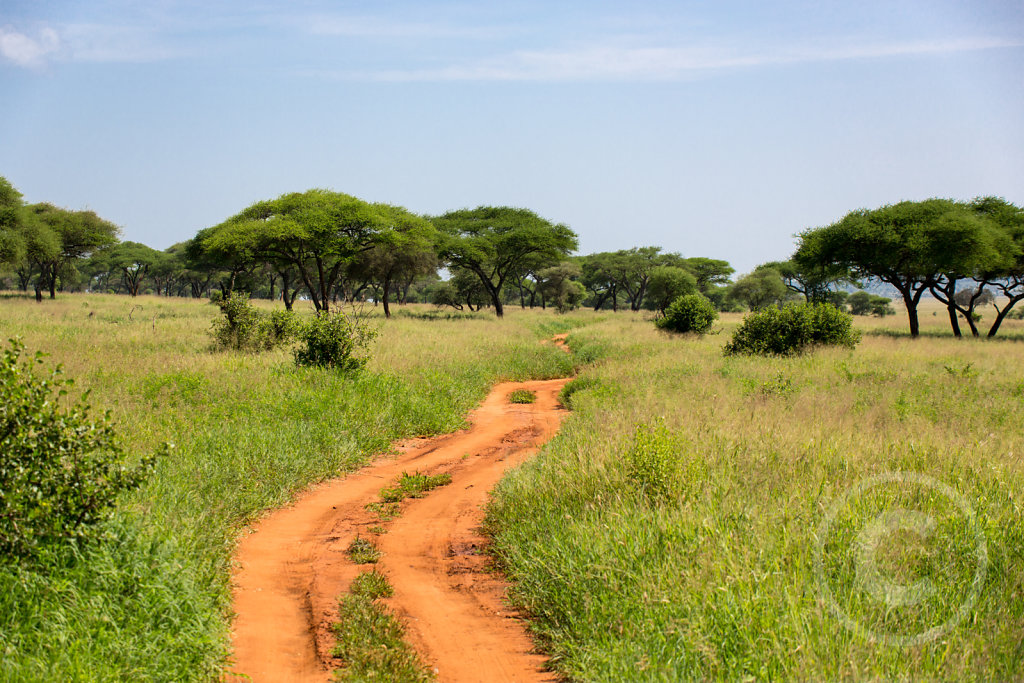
[{"x": 293, "y": 565}]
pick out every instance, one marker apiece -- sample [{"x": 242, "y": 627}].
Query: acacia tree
[
  {"x": 1005, "y": 273},
  {"x": 631, "y": 269},
  {"x": 811, "y": 278},
  {"x": 760, "y": 289},
  {"x": 495, "y": 242},
  {"x": 709, "y": 272},
  {"x": 77, "y": 235},
  {"x": 597, "y": 278},
  {"x": 319, "y": 232},
  {"x": 12, "y": 224},
  {"x": 908, "y": 245},
  {"x": 403, "y": 252},
  {"x": 132, "y": 261}
]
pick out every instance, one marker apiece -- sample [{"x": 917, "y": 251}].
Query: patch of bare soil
[{"x": 293, "y": 565}]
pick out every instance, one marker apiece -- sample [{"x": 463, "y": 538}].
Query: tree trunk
[
  {"x": 1002, "y": 315},
  {"x": 911, "y": 305},
  {"x": 384, "y": 296}
]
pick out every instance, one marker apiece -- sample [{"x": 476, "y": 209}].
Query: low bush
[
  {"x": 334, "y": 340},
  {"x": 244, "y": 328},
  {"x": 792, "y": 329},
  {"x": 689, "y": 313},
  {"x": 61, "y": 470}
]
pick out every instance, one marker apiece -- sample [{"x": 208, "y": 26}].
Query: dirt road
[{"x": 293, "y": 566}]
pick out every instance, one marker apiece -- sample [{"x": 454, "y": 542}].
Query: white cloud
[
  {"x": 25, "y": 50},
  {"x": 666, "y": 63}
]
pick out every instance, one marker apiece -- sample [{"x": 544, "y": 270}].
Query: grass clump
[
  {"x": 363, "y": 551},
  {"x": 373, "y": 585},
  {"x": 651, "y": 461},
  {"x": 413, "y": 486},
  {"x": 371, "y": 641},
  {"x": 792, "y": 329},
  {"x": 522, "y": 396},
  {"x": 689, "y": 313}
]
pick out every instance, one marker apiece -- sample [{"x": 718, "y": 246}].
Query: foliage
[
  {"x": 61, "y": 470},
  {"x": 913, "y": 246},
  {"x": 690, "y": 313},
  {"x": 762, "y": 288},
  {"x": 865, "y": 303},
  {"x": 667, "y": 284},
  {"x": 334, "y": 340},
  {"x": 559, "y": 286},
  {"x": 240, "y": 328},
  {"x": 245, "y": 328},
  {"x": 496, "y": 243},
  {"x": 792, "y": 329}
]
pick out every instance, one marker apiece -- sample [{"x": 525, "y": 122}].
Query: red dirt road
[{"x": 293, "y": 566}]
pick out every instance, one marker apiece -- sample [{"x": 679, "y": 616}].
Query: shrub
[
  {"x": 61, "y": 471},
  {"x": 689, "y": 313},
  {"x": 334, "y": 340},
  {"x": 792, "y": 329},
  {"x": 244, "y": 328},
  {"x": 240, "y": 329},
  {"x": 280, "y": 327}
]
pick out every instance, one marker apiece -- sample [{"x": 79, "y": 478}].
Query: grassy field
[
  {"x": 697, "y": 517},
  {"x": 706, "y": 517},
  {"x": 249, "y": 431}
]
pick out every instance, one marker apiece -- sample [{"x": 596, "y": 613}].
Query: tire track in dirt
[{"x": 293, "y": 565}]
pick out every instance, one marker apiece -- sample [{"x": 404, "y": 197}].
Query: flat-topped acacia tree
[
  {"x": 496, "y": 242},
  {"x": 319, "y": 232},
  {"x": 909, "y": 245}
]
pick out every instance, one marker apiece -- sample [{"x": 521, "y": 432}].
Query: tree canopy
[{"x": 497, "y": 242}]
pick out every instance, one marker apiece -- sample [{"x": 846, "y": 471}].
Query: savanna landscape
[{"x": 689, "y": 474}]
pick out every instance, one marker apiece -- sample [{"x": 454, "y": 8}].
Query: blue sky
[{"x": 711, "y": 128}]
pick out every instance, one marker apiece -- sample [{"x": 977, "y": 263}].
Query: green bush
[
  {"x": 61, "y": 471},
  {"x": 689, "y": 313},
  {"x": 280, "y": 327},
  {"x": 244, "y": 328},
  {"x": 792, "y": 329},
  {"x": 334, "y": 340},
  {"x": 240, "y": 329}
]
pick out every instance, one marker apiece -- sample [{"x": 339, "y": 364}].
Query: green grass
[
  {"x": 671, "y": 530},
  {"x": 370, "y": 640},
  {"x": 522, "y": 396},
  {"x": 413, "y": 486},
  {"x": 250, "y": 432},
  {"x": 363, "y": 551}
]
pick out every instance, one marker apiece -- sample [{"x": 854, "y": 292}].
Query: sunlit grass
[
  {"x": 250, "y": 431},
  {"x": 717, "y": 579}
]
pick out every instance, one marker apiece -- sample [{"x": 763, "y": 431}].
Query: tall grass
[
  {"x": 250, "y": 431},
  {"x": 669, "y": 532}
]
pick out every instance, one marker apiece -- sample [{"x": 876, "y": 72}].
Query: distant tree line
[{"x": 328, "y": 247}]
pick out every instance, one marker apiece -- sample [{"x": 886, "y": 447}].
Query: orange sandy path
[{"x": 293, "y": 566}]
